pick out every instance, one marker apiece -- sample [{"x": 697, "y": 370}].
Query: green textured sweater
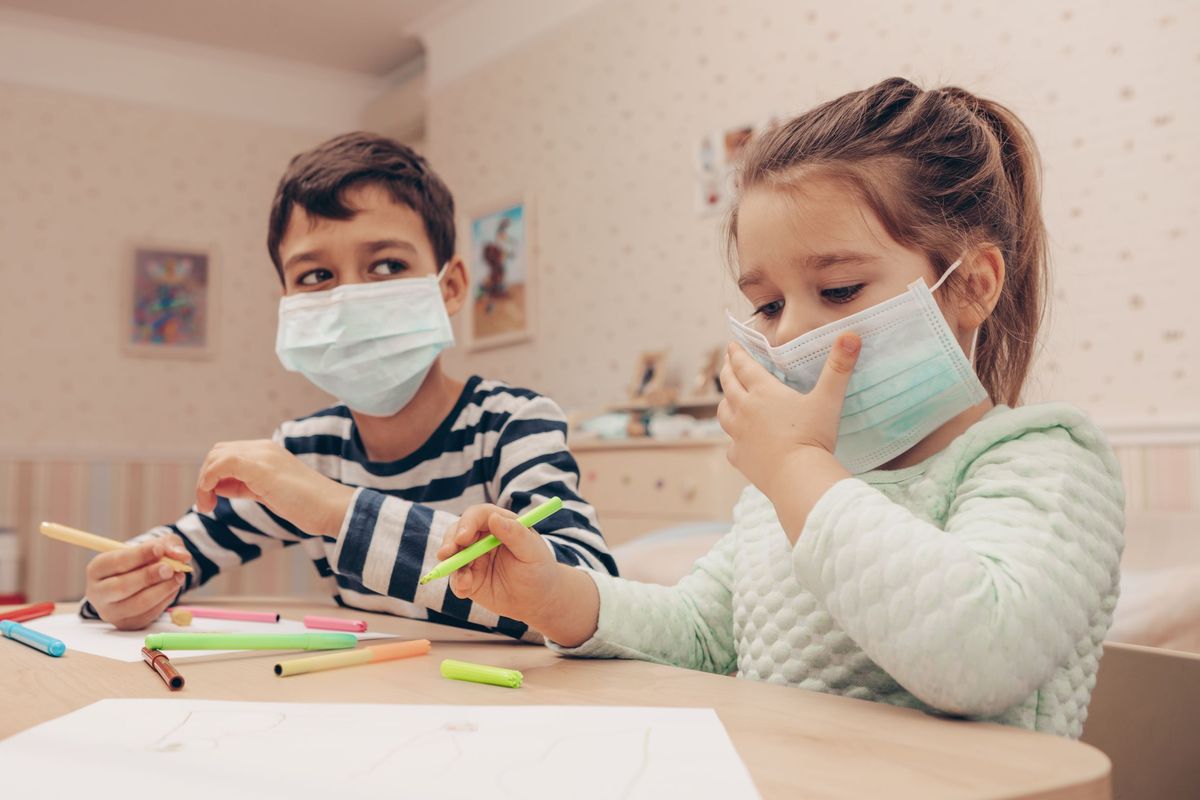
[{"x": 978, "y": 583}]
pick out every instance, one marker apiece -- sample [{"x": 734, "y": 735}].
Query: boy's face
[{"x": 383, "y": 241}]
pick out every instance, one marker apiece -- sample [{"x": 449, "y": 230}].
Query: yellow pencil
[
  {"x": 98, "y": 543},
  {"x": 348, "y": 658}
]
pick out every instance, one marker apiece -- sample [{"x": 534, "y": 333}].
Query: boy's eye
[
  {"x": 314, "y": 277},
  {"x": 770, "y": 310},
  {"x": 388, "y": 267},
  {"x": 842, "y": 294}
]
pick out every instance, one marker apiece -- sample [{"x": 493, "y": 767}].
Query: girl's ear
[
  {"x": 456, "y": 284},
  {"x": 982, "y": 281}
]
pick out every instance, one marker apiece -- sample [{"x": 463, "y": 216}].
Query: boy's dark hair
[{"x": 317, "y": 180}]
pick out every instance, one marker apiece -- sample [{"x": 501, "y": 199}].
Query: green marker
[
  {"x": 489, "y": 543},
  {"x": 481, "y": 673},
  {"x": 250, "y": 641}
]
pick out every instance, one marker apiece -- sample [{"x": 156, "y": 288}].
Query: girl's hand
[
  {"x": 516, "y": 577},
  {"x": 521, "y": 579},
  {"x": 783, "y": 441},
  {"x": 267, "y": 473}
]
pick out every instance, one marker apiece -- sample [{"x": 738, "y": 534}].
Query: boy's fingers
[
  {"x": 176, "y": 548},
  {"x": 127, "y": 559},
  {"x": 731, "y": 387},
  {"x": 120, "y": 587},
  {"x": 146, "y": 600}
]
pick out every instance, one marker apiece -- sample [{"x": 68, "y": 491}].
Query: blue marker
[{"x": 38, "y": 641}]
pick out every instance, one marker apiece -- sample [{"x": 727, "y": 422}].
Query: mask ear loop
[
  {"x": 442, "y": 272},
  {"x": 934, "y": 288}
]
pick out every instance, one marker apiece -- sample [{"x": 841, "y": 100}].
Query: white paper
[
  {"x": 206, "y": 749},
  {"x": 102, "y": 639}
]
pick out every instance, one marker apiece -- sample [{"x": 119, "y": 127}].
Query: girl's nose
[{"x": 790, "y": 325}]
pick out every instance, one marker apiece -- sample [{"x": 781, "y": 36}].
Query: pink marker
[
  {"x": 335, "y": 624},
  {"x": 226, "y": 613}
]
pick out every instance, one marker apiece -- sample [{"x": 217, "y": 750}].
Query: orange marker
[{"x": 348, "y": 658}]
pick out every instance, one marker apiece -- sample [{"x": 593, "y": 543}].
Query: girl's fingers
[
  {"x": 747, "y": 372},
  {"x": 524, "y": 544},
  {"x": 839, "y": 365},
  {"x": 730, "y": 385}
]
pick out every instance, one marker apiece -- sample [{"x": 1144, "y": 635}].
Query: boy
[{"x": 362, "y": 236}]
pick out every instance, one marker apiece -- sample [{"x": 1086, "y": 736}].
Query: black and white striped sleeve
[{"x": 533, "y": 464}]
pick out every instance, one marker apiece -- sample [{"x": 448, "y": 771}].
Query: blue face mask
[
  {"x": 911, "y": 376},
  {"x": 368, "y": 344}
]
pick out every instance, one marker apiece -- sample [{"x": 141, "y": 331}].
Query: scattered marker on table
[
  {"x": 481, "y": 673},
  {"x": 250, "y": 641},
  {"x": 489, "y": 543},
  {"x": 164, "y": 668},
  {"x": 101, "y": 544},
  {"x": 230, "y": 613},
  {"x": 31, "y": 638},
  {"x": 350, "y": 658},
  {"x": 335, "y": 624},
  {"x": 27, "y": 613}
]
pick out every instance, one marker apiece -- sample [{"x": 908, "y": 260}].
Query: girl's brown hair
[{"x": 944, "y": 170}]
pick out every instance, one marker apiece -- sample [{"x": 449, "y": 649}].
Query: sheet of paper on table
[
  {"x": 102, "y": 639},
  {"x": 204, "y": 749}
]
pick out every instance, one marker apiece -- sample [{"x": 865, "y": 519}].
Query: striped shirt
[{"x": 500, "y": 445}]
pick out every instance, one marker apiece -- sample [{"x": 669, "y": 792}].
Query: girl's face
[{"x": 811, "y": 255}]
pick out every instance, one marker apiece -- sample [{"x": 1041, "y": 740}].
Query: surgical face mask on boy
[
  {"x": 910, "y": 379},
  {"x": 368, "y": 344}
]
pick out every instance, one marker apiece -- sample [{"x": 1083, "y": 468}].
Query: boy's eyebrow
[
  {"x": 300, "y": 258},
  {"x": 387, "y": 244}
]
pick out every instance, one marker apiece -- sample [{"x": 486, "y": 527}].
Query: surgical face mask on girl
[
  {"x": 368, "y": 344},
  {"x": 910, "y": 379}
]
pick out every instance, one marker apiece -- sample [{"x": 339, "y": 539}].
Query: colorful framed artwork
[
  {"x": 169, "y": 302},
  {"x": 502, "y": 298}
]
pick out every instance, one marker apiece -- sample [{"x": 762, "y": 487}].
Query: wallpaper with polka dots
[
  {"x": 599, "y": 123},
  {"x": 82, "y": 181}
]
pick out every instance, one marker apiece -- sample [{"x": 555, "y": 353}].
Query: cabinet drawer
[{"x": 694, "y": 482}]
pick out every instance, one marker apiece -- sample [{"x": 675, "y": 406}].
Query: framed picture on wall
[
  {"x": 501, "y": 309},
  {"x": 169, "y": 302}
]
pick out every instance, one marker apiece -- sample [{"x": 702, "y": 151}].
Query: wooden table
[{"x": 795, "y": 743}]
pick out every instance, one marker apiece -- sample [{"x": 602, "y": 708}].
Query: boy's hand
[
  {"x": 517, "y": 578},
  {"x": 265, "y": 472},
  {"x": 131, "y": 587}
]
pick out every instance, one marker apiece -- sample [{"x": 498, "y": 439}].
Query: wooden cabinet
[{"x": 640, "y": 485}]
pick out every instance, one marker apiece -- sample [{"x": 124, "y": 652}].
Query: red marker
[{"x": 28, "y": 612}]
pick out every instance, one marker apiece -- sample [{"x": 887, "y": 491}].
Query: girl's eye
[
  {"x": 842, "y": 294},
  {"x": 315, "y": 277},
  {"x": 388, "y": 267},
  {"x": 770, "y": 310}
]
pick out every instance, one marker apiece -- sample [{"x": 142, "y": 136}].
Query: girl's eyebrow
[
  {"x": 821, "y": 261},
  {"x": 752, "y": 277}
]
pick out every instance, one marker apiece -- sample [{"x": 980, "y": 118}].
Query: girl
[{"x": 912, "y": 536}]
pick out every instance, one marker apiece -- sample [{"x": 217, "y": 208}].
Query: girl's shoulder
[{"x": 1042, "y": 433}]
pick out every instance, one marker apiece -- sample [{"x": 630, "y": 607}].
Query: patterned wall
[
  {"x": 84, "y": 180},
  {"x": 599, "y": 122}
]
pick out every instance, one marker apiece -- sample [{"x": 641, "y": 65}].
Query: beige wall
[
  {"x": 599, "y": 121},
  {"x": 84, "y": 179}
]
